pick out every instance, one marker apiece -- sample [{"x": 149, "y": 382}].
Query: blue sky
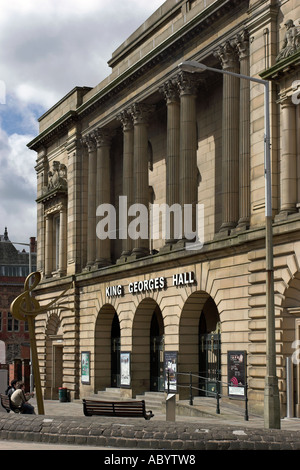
[{"x": 47, "y": 47}]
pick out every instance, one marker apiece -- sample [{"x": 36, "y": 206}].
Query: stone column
[
  {"x": 75, "y": 192},
  {"x": 48, "y": 245},
  {"x": 242, "y": 42},
  {"x": 170, "y": 91},
  {"x": 103, "y": 139},
  {"x": 62, "y": 256},
  {"x": 188, "y": 84},
  {"x": 230, "y": 138},
  {"x": 128, "y": 180},
  {"x": 288, "y": 163},
  {"x": 140, "y": 113},
  {"x": 92, "y": 171}
]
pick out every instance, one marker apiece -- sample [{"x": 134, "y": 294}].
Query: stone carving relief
[
  {"x": 57, "y": 177},
  {"x": 291, "y": 43}
]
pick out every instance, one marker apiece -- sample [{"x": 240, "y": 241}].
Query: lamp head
[{"x": 192, "y": 66}]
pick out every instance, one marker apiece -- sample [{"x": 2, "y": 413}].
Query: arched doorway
[
  {"x": 199, "y": 343},
  {"x": 107, "y": 348},
  {"x": 209, "y": 348},
  {"x": 54, "y": 353},
  {"x": 147, "y": 348},
  {"x": 115, "y": 352},
  {"x": 291, "y": 343},
  {"x": 157, "y": 352}
]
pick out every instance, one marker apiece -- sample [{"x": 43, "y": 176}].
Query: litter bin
[{"x": 63, "y": 394}]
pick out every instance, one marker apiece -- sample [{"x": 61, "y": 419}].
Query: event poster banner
[
  {"x": 125, "y": 369},
  {"x": 237, "y": 373},
  {"x": 170, "y": 370},
  {"x": 85, "y": 367}
]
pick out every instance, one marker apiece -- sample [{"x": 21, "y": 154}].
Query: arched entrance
[
  {"x": 107, "y": 349},
  {"x": 54, "y": 354},
  {"x": 199, "y": 343},
  {"x": 157, "y": 352},
  {"x": 209, "y": 348},
  {"x": 115, "y": 352},
  {"x": 147, "y": 348},
  {"x": 291, "y": 342}
]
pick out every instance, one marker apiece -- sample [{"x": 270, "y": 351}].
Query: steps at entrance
[{"x": 155, "y": 401}]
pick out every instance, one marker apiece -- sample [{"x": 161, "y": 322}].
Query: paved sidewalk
[{"x": 65, "y": 423}]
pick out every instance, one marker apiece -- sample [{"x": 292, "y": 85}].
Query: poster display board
[
  {"x": 237, "y": 373},
  {"x": 85, "y": 367},
  {"x": 125, "y": 379},
  {"x": 170, "y": 360}
]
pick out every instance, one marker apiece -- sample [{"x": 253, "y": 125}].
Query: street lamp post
[{"x": 271, "y": 393}]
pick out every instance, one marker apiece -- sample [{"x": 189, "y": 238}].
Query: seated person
[{"x": 19, "y": 399}]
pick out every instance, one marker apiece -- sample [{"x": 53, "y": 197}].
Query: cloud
[{"x": 17, "y": 187}]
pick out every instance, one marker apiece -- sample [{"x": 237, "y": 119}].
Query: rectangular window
[
  {"x": 12, "y": 323},
  {"x": 56, "y": 221}
]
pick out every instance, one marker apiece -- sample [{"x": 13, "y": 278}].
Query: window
[
  {"x": 12, "y": 323},
  {"x": 56, "y": 221}
]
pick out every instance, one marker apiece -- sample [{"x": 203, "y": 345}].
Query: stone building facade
[{"x": 153, "y": 134}]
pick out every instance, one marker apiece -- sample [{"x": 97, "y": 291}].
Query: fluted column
[
  {"x": 48, "y": 245},
  {"x": 242, "y": 42},
  {"x": 170, "y": 91},
  {"x": 230, "y": 138},
  {"x": 103, "y": 245},
  {"x": 140, "y": 113},
  {"x": 288, "y": 164},
  {"x": 128, "y": 180},
  {"x": 188, "y": 84},
  {"x": 92, "y": 171},
  {"x": 62, "y": 255}
]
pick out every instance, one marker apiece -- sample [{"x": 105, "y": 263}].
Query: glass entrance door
[
  {"x": 209, "y": 363},
  {"x": 115, "y": 352},
  {"x": 156, "y": 353},
  {"x": 157, "y": 364}
]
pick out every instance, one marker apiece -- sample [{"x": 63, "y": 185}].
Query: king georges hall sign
[{"x": 152, "y": 284}]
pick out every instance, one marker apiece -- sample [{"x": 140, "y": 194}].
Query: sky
[{"x": 47, "y": 47}]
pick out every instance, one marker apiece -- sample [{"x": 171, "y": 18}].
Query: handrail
[{"x": 217, "y": 394}]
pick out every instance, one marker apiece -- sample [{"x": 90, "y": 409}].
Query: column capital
[
  {"x": 126, "y": 120},
  {"x": 89, "y": 141},
  {"x": 227, "y": 55},
  {"x": 241, "y": 41},
  {"x": 141, "y": 112},
  {"x": 103, "y": 136},
  {"x": 188, "y": 83},
  {"x": 170, "y": 91}
]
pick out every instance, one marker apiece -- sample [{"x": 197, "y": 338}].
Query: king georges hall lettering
[{"x": 148, "y": 285}]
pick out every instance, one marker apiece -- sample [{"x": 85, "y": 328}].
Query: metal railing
[{"x": 217, "y": 394}]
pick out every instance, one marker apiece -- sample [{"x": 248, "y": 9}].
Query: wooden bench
[
  {"x": 7, "y": 404},
  {"x": 128, "y": 409}
]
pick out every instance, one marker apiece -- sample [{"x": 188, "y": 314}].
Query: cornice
[{"x": 282, "y": 68}]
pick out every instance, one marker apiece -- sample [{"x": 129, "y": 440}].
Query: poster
[
  {"x": 237, "y": 373},
  {"x": 125, "y": 369},
  {"x": 171, "y": 370},
  {"x": 85, "y": 367}
]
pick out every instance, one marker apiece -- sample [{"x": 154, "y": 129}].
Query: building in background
[
  {"x": 14, "y": 335},
  {"x": 153, "y": 134}
]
